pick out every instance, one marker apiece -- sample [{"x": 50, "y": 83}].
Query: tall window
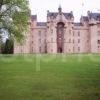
[
  {"x": 21, "y": 51},
  {"x": 39, "y": 33},
  {"x": 60, "y": 37},
  {"x": 78, "y": 40},
  {"x": 73, "y": 49},
  {"x": 78, "y": 33},
  {"x": 98, "y": 41},
  {"x": 44, "y": 40},
  {"x": 40, "y": 49},
  {"x": 98, "y": 33},
  {"x": 73, "y": 33},
  {"x": 32, "y": 49},
  {"x": 39, "y": 40},
  {"x": 98, "y": 46},
  {"x": 69, "y": 31},
  {"x": 32, "y": 42},
  {"x": 78, "y": 48},
  {"x": 69, "y": 40},
  {"x": 73, "y": 41}
]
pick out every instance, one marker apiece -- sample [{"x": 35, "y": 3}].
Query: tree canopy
[{"x": 14, "y": 16}]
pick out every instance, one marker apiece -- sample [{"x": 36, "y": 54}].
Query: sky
[{"x": 79, "y": 7}]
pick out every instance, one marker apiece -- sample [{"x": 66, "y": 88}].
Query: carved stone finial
[{"x": 60, "y": 9}]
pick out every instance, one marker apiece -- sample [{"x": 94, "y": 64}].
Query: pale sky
[{"x": 40, "y": 7}]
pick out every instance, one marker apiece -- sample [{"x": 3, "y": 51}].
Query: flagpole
[{"x": 82, "y": 8}]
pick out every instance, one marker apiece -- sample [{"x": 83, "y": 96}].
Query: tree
[
  {"x": 7, "y": 47},
  {"x": 14, "y": 16},
  {"x": 0, "y": 43}
]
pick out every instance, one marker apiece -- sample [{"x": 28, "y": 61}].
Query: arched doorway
[{"x": 60, "y": 37}]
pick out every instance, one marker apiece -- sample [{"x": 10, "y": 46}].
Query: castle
[{"x": 60, "y": 34}]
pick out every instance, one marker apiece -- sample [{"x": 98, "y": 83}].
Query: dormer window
[{"x": 98, "y": 18}]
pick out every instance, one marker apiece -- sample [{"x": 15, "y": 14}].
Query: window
[
  {"x": 32, "y": 42},
  {"x": 73, "y": 49},
  {"x": 21, "y": 51},
  {"x": 98, "y": 41},
  {"x": 73, "y": 41},
  {"x": 39, "y": 33},
  {"x": 40, "y": 49},
  {"x": 73, "y": 33},
  {"x": 44, "y": 40},
  {"x": 51, "y": 50},
  {"x": 78, "y": 40},
  {"x": 98, "y": 46},
  {"x": 78, "y": 33},
  {"x": 98, "y": 33},
  {"x": 78, "y": 48},
  {"x": 64, "y": 40},
  {"x": 32, "y": 49},
  {"x": 39, "y": 40},
  {"x": 98, "y": 25},
  {"x": 69, "y": 40},
  {"x": 69, "y": 31}
]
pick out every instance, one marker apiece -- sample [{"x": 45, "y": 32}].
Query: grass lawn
[{"x": 50, "y": 77}]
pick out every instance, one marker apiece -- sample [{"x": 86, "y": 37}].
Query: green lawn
[{"x": 50, "y": 77}]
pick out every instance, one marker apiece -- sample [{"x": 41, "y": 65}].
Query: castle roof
[
  {"x": 85, "y": 18},
  {"x": 41, "y": 23},
  {"x": 78, "y": 24},
  {"x": 67, "y": 15},
  {"x": 94, "y": 15},
  {"x": 54, "y": 14},
  {"x": 33, "y": 17}
]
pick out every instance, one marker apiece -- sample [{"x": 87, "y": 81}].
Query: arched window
[{"x": 60, "y": 37}]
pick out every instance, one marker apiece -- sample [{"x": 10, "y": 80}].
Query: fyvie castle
[{"x": 60, "y": 34}]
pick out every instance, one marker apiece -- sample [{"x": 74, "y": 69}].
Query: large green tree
[{"x": 14, "y": 15}]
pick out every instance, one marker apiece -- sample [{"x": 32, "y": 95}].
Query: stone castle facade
[{"x": 60, "y": 34}]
